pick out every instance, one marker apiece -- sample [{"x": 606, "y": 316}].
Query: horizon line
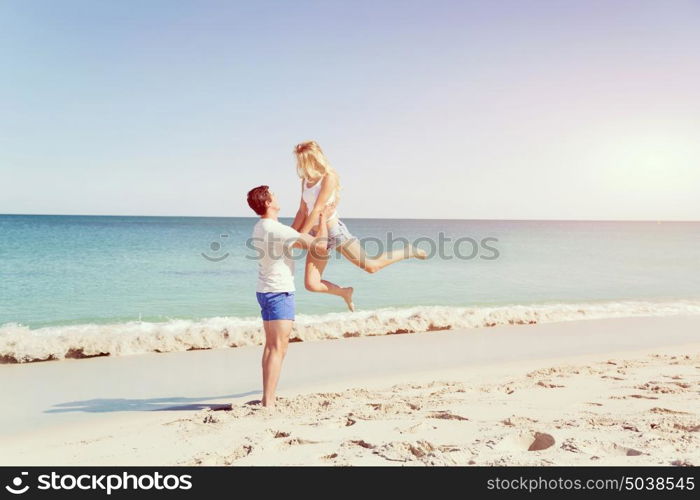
[{"x": 348, "y": 218}]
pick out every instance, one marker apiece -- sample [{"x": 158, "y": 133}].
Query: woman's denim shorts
[{"x": 337, "y": 235}]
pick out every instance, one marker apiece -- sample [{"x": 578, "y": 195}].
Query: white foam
[{"x": 19, "y": 344}]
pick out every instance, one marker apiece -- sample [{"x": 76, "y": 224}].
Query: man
[{"x": 275, "y": 291}]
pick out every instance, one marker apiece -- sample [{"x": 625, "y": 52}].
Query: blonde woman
[{"x": 319, "y": 187}]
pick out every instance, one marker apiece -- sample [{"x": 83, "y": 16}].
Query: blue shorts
[{"x": 276, "y": 305}]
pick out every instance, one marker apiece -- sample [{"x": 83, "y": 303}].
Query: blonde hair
[{"x": 312, "y": 164}]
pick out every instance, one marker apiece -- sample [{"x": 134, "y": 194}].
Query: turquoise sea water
[{"x": 71, "y": 270}]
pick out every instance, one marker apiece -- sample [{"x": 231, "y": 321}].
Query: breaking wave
[{"x": 20, "y": 344}]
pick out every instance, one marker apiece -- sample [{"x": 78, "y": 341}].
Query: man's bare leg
[{"x": 276, "y": 343}]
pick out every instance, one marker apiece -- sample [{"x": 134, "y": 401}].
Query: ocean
[{"x": 78, "y": 286}]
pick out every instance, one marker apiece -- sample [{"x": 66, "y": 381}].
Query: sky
[{"x": 427, "y": 109}]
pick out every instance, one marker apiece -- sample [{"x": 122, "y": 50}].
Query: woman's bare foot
[
  {"x": 347, "y": 296},
  {"x": 418, "y": 253}
]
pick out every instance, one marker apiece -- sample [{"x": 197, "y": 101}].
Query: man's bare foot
[
  {"x": 347, "y": 296},
  {"x": 266, "y": 404},
  {"x": 418, "y": 253},
  {"x": 255, "y": 404}
]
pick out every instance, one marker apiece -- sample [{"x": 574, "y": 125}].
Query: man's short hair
[{"x": 257, "y": 199}]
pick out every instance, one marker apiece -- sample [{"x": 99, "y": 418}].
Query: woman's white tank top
[{"x": 310, "y": 195}]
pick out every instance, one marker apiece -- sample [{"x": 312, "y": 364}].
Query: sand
[{"x": 609, "y": 406}]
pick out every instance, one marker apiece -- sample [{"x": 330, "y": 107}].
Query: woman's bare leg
[
  {"x": 315, "y": 265},
  {"x": 353, "y": 251}
]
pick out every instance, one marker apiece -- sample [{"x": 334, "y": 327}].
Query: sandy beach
[
  {"x": 597, "y": 392},
  {"x": 472, "y": 227}
]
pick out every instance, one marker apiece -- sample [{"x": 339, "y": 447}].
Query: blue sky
[{"x": 507, "y": 109}]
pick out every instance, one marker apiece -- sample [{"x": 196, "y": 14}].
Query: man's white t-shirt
[{"x": 272, "y": 241}]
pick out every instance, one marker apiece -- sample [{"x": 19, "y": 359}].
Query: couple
[{"x": 317, "y": 229}]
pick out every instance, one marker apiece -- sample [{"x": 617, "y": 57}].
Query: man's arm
[{"x": 318, "y": 243}]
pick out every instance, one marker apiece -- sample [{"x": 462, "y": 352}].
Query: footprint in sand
[
  {"x": 515, "y": 421},
  {"x": 525, "y": 440},
  {"x": 618, "y": 450},
  {"x": 421, "y": 451},
  {"x": 446, "y": 415},
  {"x": 660, "y": 388},
  {"x": 362, "y": 443},
  {"x": 662, "y": 411},
  {"x": 210, "y": 419},
  {"x": 240, "y": 452},
  {"x": 548, "y": 385},
  {"x": 597, "y": 449},
  {"x": 207, "y": 458},
  {"x": 634, "y": 396},
  {"x": 542, "y": 441},
  {"x": 682, "y": 463},
  {"x": 297, "y": 441},
  {"x": 420, "y": 426},
  {"x": 570, "y": 446}
]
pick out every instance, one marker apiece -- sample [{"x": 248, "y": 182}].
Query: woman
[{"x": 319, "y": 187}]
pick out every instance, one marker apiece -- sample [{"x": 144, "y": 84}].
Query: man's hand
[{"x": 328, "y": 210}]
